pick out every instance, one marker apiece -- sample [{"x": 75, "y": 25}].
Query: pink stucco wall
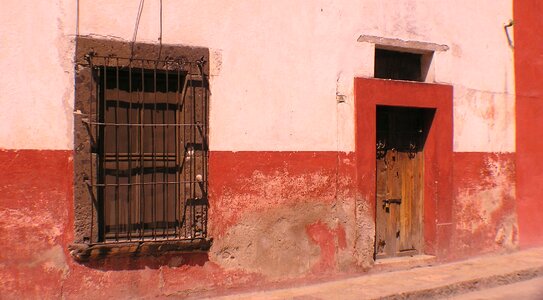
[
  {"x": 279, "y": 66},
  {"x": 285, "y": 183}
]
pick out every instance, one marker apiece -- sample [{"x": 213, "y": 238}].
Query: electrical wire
[
  {"x": 160, "y": 36},
  {"x": 140, "y": 10}
]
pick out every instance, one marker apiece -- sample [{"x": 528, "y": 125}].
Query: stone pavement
[
  {"x": 497, "y": 275},
  {"x": 531, "y": 289}
]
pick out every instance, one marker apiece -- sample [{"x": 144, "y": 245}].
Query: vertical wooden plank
[
  {"x": 394, "y": 191},
  {"x": 406, "y": 206},
  {"x": 419, "y": 201},
  {"x": 381, "y": 215},
  {"x": 390, "y": 246},
  {"x": 411, "y": 207},
  {"x": 412, "y": 202}
]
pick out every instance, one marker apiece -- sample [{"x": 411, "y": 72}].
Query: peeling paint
[
  {"x": 274, "y": 215},
  {"x": 483, "y": 120},
  {"x": 272, "y": 241},
  {"x": 485, "y": 214},
  {"x": 251, "y": 181},
  {"x": 267, "y": 204},
  {"x": 328, "y": 240}
]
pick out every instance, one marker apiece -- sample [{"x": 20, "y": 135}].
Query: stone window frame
[{"x": 85, "y": 246}]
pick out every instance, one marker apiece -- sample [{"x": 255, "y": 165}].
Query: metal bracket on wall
[
  {"x": 506, "y": 28},
  {"x": 92, "y": 139}
]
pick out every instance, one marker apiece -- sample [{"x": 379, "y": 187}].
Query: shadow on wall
[{"x": 148, "y": 262}]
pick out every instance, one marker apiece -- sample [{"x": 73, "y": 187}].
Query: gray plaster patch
[{"x": 272, "y": 242}]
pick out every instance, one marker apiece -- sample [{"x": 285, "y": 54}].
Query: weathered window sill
[{"x": 86, "y": 252}]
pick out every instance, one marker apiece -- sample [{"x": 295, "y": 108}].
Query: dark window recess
[
  {"x": 397, "y": 65},
  {"x": 412, "y": 126},
  {"x": 148, "y": 150}
]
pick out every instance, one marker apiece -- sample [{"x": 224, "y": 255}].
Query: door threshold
[{"x": 403, "y": 262}]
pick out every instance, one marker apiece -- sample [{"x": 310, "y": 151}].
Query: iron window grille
[{"x": 148, "y": 149}]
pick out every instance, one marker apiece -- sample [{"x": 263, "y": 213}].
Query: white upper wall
[
  {"x": 36, "y": 86},
  {"x": 276, "y": 68}
]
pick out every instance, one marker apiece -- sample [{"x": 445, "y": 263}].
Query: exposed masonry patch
[
  {"x": 364, "y": 234},
  {"x": 262, "y": 191},
  {"x": 278, "y": 242},
  {"x": 283, "y": 223}
]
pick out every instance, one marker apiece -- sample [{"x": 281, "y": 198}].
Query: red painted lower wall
[
  {"x": 258, "y": 181},
  {"x": 281, "y": 207},
  {"x": 484, "y": 212},
  {"x": 36, "y": 226},
  {"x": 285, "y": 214},
  {"x": 529, "y": 105},
  {"x": 277, "y": 218},
  {"x": 35, "y": 218}
]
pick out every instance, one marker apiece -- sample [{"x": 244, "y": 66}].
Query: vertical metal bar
[
  {"x": 194, "y": 156},
  {"x": 194, "y": 142},
  {"x": 129, "y": 133},
  {"x": 186, "y": 157},
  {"x": 91, "y": 175},
  {"x": 142, "y": 169},
  {"x": 153, "y": 133},
  {"x": 117, "y": 200},
  {"x": 166, "y": 159},
  {"x": 200, "y": 132},
  {"x": 103, "y": 148},
  {"x": 177, "y": 163},
  {"x": 203, "y": 127},
  {"x": 204, "y": 152}
]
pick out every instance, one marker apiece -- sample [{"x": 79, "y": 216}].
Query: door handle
[
  {"x": 392, "y": 201},
  {"x": 387, "y": 202}
]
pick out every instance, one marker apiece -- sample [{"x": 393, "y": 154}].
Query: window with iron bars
[{"x": 144, "y": 128}]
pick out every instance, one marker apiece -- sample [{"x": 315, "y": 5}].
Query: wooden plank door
[{"x": 399, "y": 182}]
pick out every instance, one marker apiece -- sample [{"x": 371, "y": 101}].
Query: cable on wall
[
  {"x": 160, "y": 36},
  {"x": 140, "y": 10}
]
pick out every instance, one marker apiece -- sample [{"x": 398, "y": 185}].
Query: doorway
[{"x": 401, "y": 134}]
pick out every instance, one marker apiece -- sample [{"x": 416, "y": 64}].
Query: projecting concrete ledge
[
  {"x": 421, "y": 283},
  {"x": 398, "y": 44}
]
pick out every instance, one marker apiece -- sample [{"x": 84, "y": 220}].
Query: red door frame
[{"x": 369, "y": 93}]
